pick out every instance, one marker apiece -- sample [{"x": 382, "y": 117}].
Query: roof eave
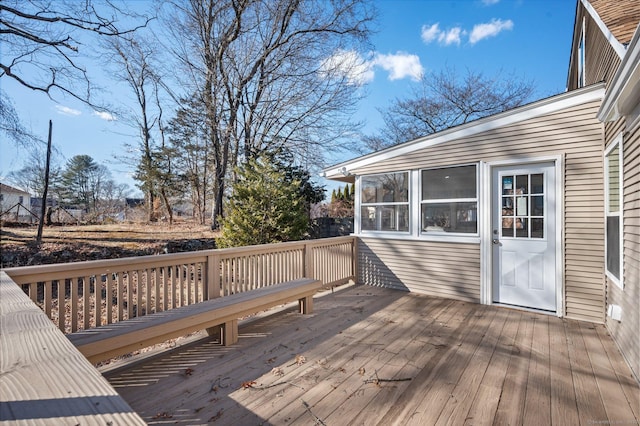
[
  {"x": 525, "y": 112},
  {"x": 623, "y": 95}
]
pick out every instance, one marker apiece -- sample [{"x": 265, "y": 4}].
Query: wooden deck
[{"x": 376, "y": 356}]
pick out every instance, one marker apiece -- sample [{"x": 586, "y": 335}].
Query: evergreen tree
[
  {"x": 83, "y": 181},
  {"x": 265, "y": 207}
]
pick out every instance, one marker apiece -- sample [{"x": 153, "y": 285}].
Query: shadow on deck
[{"x": 370, "y": 355}]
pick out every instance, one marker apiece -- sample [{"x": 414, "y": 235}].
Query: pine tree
[{"x": 265, "y": 208}]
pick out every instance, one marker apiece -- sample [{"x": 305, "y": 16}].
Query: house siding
[
  {"x": 438, "y": 269},
  {"x": 574, "y": 133},
  {"x": 625, "y": 332},
  {"x": 601, "y": 60}
]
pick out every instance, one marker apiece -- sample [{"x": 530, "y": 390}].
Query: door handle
[{"x": 496, "y": 241}]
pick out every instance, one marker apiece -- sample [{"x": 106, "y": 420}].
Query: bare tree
[
  {"x": 42, "y": 41},
  {"x": 189, "y": 157},
  {"x": 443, "y": 100},
  {"x": 12, "y": 127},
  {"x": 264, "y": 75},
  {"x": 32, "y": 176},
  {"x": 131, "y": 60}
]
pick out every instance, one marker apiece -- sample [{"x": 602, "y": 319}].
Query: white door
[{"x": 524, "y": 236}]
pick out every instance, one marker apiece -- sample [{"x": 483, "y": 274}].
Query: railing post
[
  {"x": 354, "y": 259},
  {"x": 308, "y": 261},
  {"x": 213, "y": 276}
]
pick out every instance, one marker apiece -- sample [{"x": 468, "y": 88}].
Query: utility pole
[{"x": 43, "y": 209}]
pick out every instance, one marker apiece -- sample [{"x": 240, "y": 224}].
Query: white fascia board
[
  {"x": 617, "y": 46},
  {"x": 577, "y": 32},
  {"x": 526, "y": 112},
  {"x": 624, "y": 90}
]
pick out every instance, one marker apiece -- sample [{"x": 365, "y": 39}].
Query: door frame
[{"x": 486, "y": 245}]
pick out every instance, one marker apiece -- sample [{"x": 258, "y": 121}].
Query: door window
[{"x": 523, "y": 205}]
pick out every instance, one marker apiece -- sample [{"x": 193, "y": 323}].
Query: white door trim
[{"x": 486, "y": 249}]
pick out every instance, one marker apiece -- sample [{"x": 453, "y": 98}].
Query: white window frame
[
  {"x": 475, "y": 200},
  {"x": 582, "y": 79},
  {"x": 360, "y": 204},
  {"x": 619, "y": 213}
]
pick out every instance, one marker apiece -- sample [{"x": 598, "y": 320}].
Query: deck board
[
  {"x": 564, "y": 410},
  {"x": 467, "y": 363}
]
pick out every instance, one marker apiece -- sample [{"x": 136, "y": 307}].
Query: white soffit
[{"x": 536, "y": 109}]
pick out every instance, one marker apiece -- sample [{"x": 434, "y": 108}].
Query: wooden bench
[{"x": 215, "y": 315}]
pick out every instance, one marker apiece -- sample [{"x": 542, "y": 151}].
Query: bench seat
[{"x": 104, "y": 342}]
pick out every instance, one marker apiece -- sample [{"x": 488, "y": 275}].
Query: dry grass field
[{"x": 61, "y": 244}]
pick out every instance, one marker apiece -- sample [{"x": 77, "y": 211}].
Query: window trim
[
  {"x": 359, "y": 205},
  {"x": 476, "y": 200},
  {"x": 582, "y": 58},
  {"x": 617, "y": 142}
]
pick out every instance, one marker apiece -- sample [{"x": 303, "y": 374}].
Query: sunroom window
[
  {"x": 613, "y": 211},
  {"x": 449, "y": 200},
  {"x": 384, "y": 202}
]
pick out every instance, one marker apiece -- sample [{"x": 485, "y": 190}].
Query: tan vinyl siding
[
  {"x": 574, "y": 133},
  {"x": 601, "y": 60},
  {"x": 437, "y": 269},
  {"x": 625, "y": 333}
]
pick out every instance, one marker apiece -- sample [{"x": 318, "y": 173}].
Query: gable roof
[
  {"x": 5, "y": 189},
  {"x": 539, "y": 108},
  {"x": 621, "y": 17}
]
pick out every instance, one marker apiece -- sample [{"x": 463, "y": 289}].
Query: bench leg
[
  {"x": 215, "y": 331},
  {"x": 306, "y": 305},
  {"x": 229, "y": 332}
]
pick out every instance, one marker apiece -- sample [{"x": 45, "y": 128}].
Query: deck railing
[{"x": 87, "y": 294}]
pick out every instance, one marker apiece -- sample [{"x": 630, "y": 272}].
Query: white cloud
[
  {"x": 400, "y": 65},
  {"x": 349, "y": 64},
  {"x": 445, "y": 37},
  {"x": 67, "y": 111},
  {"x": 431, "y": 33},
  {"x": 490, "y": 2},
  {"x": 105, "y": 115},
  {"x": 451, "y": 36},
  {"x": 491, "y": 29}
]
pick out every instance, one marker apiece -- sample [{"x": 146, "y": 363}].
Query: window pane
[
  {"x": 450, "y": 217},
  {"x": 507, "y": 217},
  {"x": 522, "y": 184},
  {"x": 522, "y": 227},
  {"x": 537, "y": 228},
  {"x": 613, "y": 245},
  {"x": 537, "y": 184},
  {"x": 613, "y": 163},
  {"x": 537, "y": 206},
  {"x": 452, "y": 182},
  {"x": 386, "y": 188},
  {"x": 507, "y": 185},
  {"x": 385, "y": 218}
]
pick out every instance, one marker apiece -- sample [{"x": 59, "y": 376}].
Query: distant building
[{"x": 15, "y": 203}]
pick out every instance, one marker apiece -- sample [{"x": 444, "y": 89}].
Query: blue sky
[{"x": 530, "y": 39}]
